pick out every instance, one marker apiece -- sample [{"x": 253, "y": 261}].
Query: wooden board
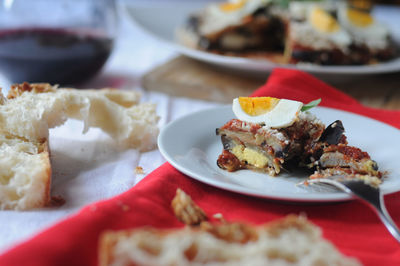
[{"x": 185, "y": 77}]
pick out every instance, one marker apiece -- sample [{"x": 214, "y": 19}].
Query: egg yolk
[
  {"x": 359, "y": 18},
  {"x": 229, "y": 6},
  {"x": 323, "y": 21},
  {"x": 257, "y": 105}
]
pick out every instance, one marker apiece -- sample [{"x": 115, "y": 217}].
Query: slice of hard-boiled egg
[
  {"x": 323, "y": 21},
  {"x": 218, "y": 16},
  {"x": 274, "y": 112},
  {"x": 232, "y": 5},
  {"x": 327, "y": 26},
  {"x": 363, "y": 27}
]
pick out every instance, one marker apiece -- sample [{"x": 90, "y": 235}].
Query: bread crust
[
  {"x": 47, "y": 166},
  {"x": 18, "y": 89}
]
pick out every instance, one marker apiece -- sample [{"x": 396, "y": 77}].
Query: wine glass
[{"x": 56, "y": 41}]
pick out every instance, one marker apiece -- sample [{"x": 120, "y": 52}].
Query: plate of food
[
  {"x": 259, "y": 35},
  {"x": 270, "y": 155}
]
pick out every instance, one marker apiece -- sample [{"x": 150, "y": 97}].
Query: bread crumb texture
[
  {"x": 139, "y": 170},
  {"x": 24, "y": 173},
  {"x": 31, "y": 109},
  {"x": 290, "y": 241}
]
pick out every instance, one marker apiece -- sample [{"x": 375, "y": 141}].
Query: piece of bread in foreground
[
  {"x": 290, "y": 241},
  {"x": 29, "y": 112}
]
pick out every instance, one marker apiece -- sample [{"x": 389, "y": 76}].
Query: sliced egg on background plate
[
  {"x": 230, "y": 13},
  {"x": 274, "y": 112},
  {"x": 327, "y": 25},
  {"x": 231, "y": 6},
  {"x": 241, "y": 7},
  {"x": 362, "y": 25}
]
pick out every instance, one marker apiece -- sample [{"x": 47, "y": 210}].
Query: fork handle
[{"x": 383, "y": 214}]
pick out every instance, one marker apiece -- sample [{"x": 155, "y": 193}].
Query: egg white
[
  {"x": 282, "y": 115},
  {"x": 375, "y": 35},
  {"x": 340, "y": 37},
  {"x": 217, "y": 19},
  {"x": 304, "y": 32}
]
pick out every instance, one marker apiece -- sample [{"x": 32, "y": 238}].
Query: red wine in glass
[{"x": 56, "y": 56}]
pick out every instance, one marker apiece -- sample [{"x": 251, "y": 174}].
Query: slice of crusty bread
[
  {"x": 31, "y": 109},
  {"x": 25, "y": 173},
  {"x": 290, "y": 241},
  {"x": 34, "y": 108}
]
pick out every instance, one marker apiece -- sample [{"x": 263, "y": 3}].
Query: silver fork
[{"x": 367, "y": 193}]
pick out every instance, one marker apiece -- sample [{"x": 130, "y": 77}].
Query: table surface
[
  {"x": 185, "y": 77},
  {"x": 134, "y": 64}
]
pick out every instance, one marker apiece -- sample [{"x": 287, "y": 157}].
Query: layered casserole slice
[
  {"x": 301, "y": 140},
  {"x": 252, "y": 28},
  {"x": 259, "y": 147},
  {"x": 332, "y": 156}
]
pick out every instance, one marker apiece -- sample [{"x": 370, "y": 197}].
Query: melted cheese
[{"x": 251, "y": 156}]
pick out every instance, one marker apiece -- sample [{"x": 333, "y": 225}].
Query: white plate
[
  {"x": 161, "y": 20},
  {"x": 191, "y": 146}
]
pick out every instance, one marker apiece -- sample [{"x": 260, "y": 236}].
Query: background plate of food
[{"x": 259, "y": 35}]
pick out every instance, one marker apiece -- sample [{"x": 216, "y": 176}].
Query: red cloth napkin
[{"x": 351, "y": 226}]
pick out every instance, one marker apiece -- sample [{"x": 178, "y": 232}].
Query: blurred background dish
[
  {"x": 55, "y": 41},
  {"x": 174, "y": 15}
]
